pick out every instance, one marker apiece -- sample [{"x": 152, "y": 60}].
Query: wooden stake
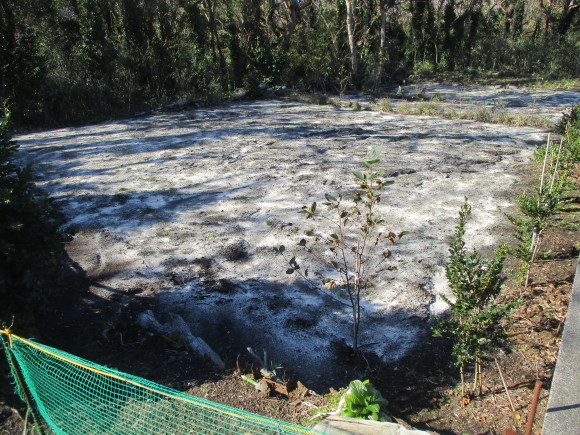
[
  {"x": 505, "y": 385},
  {"x": 462, "y": 381}
]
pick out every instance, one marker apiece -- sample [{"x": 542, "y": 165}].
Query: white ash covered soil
[{"x": 184, "y": 209}]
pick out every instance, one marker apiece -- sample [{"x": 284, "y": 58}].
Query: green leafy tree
[
  {"x": 30, "y": 242},
  {"x": 356, "y": 245},
  {"x": 477, "y": 322}
]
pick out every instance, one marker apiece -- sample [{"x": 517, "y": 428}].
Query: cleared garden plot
[{"x": 186, "y": 208}]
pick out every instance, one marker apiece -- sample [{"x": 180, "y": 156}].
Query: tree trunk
[
  {"x": 351, "y": 41},
  {"x": 383, "y": 40}
]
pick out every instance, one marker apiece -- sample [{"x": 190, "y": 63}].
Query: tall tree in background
[
  {"x": 71, "y": 60},
  {"x": 559, "y": 14},
  {"x": 350, "y": 5}
]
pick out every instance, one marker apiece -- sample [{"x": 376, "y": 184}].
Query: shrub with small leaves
[
  {"x": 477, "y": 322},
  {"x": 538, "y": 207}
]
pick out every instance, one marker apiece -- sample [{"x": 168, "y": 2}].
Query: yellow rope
[{"x": 137, "y": 384}]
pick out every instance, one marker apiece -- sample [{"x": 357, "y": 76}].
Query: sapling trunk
[
  {"x": 352, "y": 259},
  {"x": 541, "y": 217},
  {"x": 462, "y": 374},
  {"x": 478, "y": 376}
]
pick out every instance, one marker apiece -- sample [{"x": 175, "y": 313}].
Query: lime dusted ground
[{"x": 185, "y": 208}]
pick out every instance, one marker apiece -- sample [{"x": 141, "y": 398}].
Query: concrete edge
[
  {"x": 563, "y": 412},
  {"x": 339, "y": 425}
]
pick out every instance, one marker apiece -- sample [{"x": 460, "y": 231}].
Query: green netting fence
[{"x": 75, "y": 396}]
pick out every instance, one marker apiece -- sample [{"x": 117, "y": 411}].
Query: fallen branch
[{"x": 177, "y": 327}]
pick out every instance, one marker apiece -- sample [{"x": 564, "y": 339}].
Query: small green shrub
[
  {"x": 467, "y": 114},
  {"x": 538, "y": 207},
  {"x": 521, "y": 120},
  {"x": 404, "y": 108},
  {"x": 385, "y": 105},
  {"x": 306, "y": 98},
  {"x": 506, "y": 118},
  {"x": 570, "y": 119},
  {"x": 483, "y": 114},
  {"x": 422, "y": 69},
  {"x": 437, "y": 97},
  {"x": 429, "y": 108},
  {"x": 477, "y": 322},
  {"x": 569, "y": 128},
  {"x": 452, "y": 113},
  {"x": 335, "y": 102}
]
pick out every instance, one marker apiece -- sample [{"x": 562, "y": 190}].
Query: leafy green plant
[
  {"x": 477, "y": 321},
  {"x": 365, "y": 402},
  {"x": 356, "y": 245},
  {"x": 437, "y": 97}
]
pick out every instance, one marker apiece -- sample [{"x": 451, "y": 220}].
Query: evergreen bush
[
  {"x": 30, "y": 240},
  {"x": 477, "y": 323}
]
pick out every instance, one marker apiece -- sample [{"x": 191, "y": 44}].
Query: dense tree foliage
[
  {"x": 69, "y": 60},
  {"x": 30, "y": 242}
]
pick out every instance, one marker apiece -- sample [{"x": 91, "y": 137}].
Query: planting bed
[{"x": 185, "y": 209}]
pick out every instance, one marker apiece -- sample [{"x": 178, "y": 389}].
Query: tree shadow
[{"x": 99, "y": 323}]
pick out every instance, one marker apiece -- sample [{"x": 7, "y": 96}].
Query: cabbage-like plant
[{"x": 365, "y": 402}]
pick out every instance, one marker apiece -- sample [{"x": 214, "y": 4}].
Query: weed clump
[{"x": 385, "y": 105}]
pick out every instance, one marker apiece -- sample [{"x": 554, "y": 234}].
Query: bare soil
[{"x": 179, "y": 213}]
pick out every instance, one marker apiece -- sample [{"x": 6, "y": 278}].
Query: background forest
[{"x": 66, "y": 61}]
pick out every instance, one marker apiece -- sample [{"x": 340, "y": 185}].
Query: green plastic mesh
[{"x": 75, "y": 396}]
